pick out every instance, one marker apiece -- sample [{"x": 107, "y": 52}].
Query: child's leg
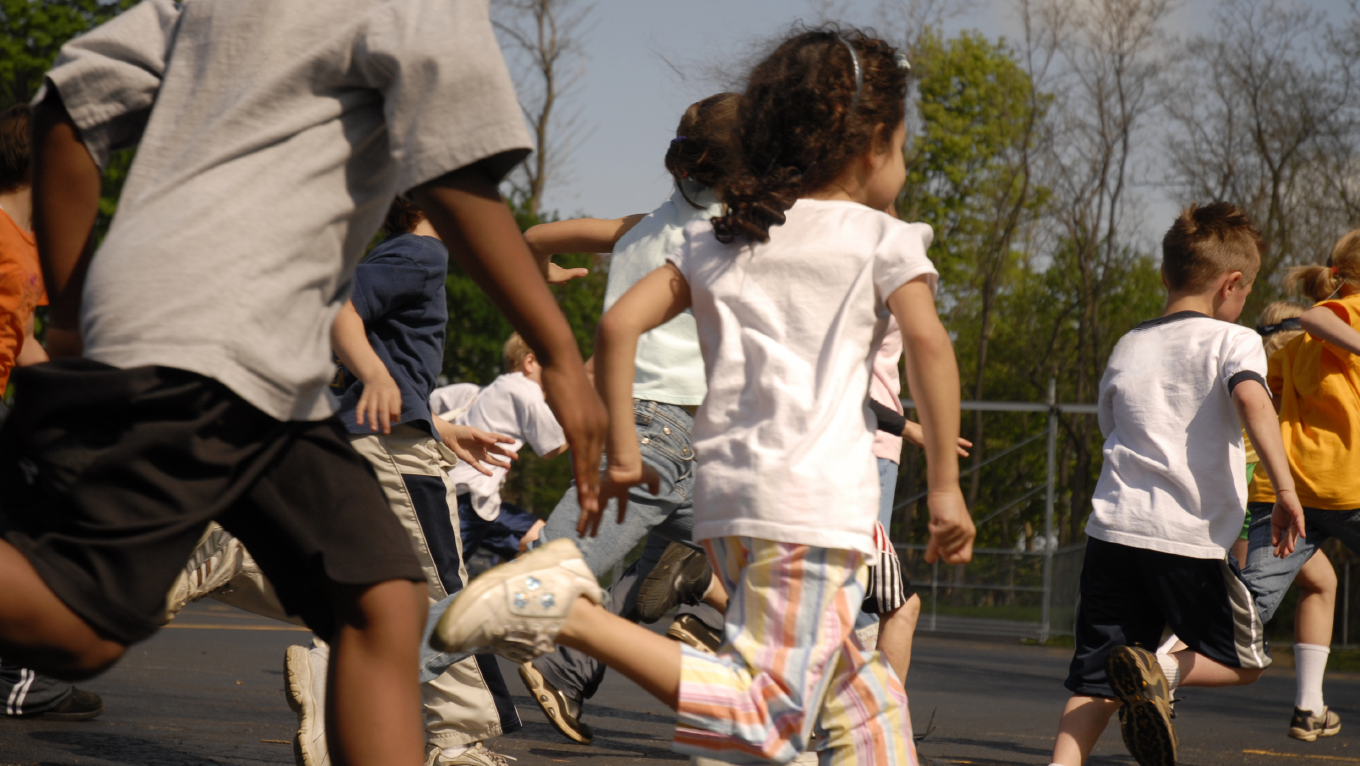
[
  {"x": 895, "y": 633},
  {"x": 1083, "y": 721},
  {"x": 373, "y": 710},
  {"x": 1313, "y": 631},
  {"x": 38, "y": 630}
]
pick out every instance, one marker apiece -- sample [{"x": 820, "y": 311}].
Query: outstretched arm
[
  {"x": 65, "y": 203},
  {"x": 577, "y": 235},
  {"x": 380, "y": 404},
  {"x": 653, "y": 300},
  {"x": 933, "y": 377},
  {"x": 1263, "y": 426},
  {"x": 1322, "y": 323},
  {"x": 466, "y": 209}
]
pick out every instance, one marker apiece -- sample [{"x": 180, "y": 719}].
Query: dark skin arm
[
  {"x": 466, "y": 209},
  {"x": 65, "y": 203}
]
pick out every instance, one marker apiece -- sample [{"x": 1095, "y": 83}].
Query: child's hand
[
  {"x": 1286, "y": 522},
  {"x": 584, "y": 422},
  {"x": 615, "y": 481},
  {"x": 560, "y": 276},
  {"x": 474, "y": 446},
  {"x": 380, "y": 404},
  {"x": 951, "y": 528},
  {"x": 914, "y": 434}
]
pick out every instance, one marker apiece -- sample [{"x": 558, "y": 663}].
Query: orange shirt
[
  {"x": 1319, "y": 389},
  {"x": 21, "y": 291}
]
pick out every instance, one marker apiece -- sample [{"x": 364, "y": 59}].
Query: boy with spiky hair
[
  {"x": 1169, "y": 502},
  {"x": 273, "y": 135}
]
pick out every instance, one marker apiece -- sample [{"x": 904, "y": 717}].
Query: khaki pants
[{"x": 468, "y": 702}]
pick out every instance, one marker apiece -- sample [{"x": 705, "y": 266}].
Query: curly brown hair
[
  {"x": 799, "y": 124},
  {"x": 401, "y": 217},
  {"x": 704, "y": 147},
  {"x": 14, "y": 149}
]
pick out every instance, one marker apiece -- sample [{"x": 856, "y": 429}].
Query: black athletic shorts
[
  {"x": 1130, "y": 595},
  {"x": 108, "y": 478}
]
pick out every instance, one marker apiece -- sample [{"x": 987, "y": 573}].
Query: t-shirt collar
[{"x": 1169, "y": 318}]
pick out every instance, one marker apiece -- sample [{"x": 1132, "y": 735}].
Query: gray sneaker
[
  {"x": 215, "y": 560},
  {"x": 1145, "y": 717},
  {"x": 517, "y": 609},
  {"x": 681, "y": 576},
  {"x": 1309, "y": 727},
  {"x": 563, "y": 711}
]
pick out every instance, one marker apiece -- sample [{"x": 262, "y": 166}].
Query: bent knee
[{"x": 1249, "y": 675}]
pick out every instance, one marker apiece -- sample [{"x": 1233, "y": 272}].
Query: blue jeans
[
  {"x": 1269, "y": 577},
  {"x": 501, "y": 536},
  {"x": 663, "y": 432}
]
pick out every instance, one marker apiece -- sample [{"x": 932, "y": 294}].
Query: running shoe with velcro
[
  {"x": 1309, "y": 727},
  {"x": 1145, "y": 717},
  {"x": 518, "y": 608},
  {"x": 681, "y": 576},
  {"x": 562, "y": 710}
]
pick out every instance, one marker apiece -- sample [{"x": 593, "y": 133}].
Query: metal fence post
[{"x": 1048, "y": 508}]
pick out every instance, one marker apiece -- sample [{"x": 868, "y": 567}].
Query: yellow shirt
[{"x": 1319, "y": 389}]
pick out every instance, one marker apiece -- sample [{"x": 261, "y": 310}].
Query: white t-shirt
[
  {"x": 784, "y": 438},
  {"x": 273, "y": 136},
  {"x": 452, "y": 402},
  {"x": 885, "y": 387},
  {"x": 1174, "y": 478},
  {"x": 668, "y": 367},
  {"x": 512, "y": 405}
]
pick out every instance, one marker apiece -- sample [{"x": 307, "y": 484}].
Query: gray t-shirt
[{"x": 273, "y": 135}]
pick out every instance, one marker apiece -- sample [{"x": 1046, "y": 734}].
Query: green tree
[
  {"x": 969, "y": 176},
  {"x": 35, "y": 30}
]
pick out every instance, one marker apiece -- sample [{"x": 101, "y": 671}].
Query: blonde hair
[
  {"x": 1274, "y": 314},
  {"x": 1343, "y": 268},
  {"x": 1207, "y": 242},
  {"x": 512, "y": 356}
]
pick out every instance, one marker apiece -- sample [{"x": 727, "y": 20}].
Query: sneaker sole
[
  {"x": 547, "y": 702},
  {"x": 659, "y": 592},
  {"x": 1148, "y": 732},
  {"x": 447, "y": 635},
  {"x": 1313, "y": 734},
  {"x": 297, "y": 669},
  {"x": 689, "y": 639},
  {"x": 83, "y": 715}
]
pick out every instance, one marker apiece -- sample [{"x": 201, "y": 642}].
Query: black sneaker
[
  {"x": 688, "y": 629},
  {"x": 1309, "y": 727},
  {"x": 563, "y": 711},
  {"x": 79, "y": 705},
  {"x": 1145, "y": 717},
  {"x": 680, "y": 577}
]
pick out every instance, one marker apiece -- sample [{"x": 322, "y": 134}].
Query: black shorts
[
  {"x": 1130, "y": 595},
  {"x": 108, "y": 478}
]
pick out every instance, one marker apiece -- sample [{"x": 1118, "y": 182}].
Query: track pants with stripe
[
  {"x": 790, "y": 665},
  {"x": 25, "y": 692}
]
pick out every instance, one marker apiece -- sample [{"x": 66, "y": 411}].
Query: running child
[
  {"x": 1314, "y": 378},
  {"x": 511, "y": 405},
  {"x": 273, "y": 136},
  {"x": 1170, "y": 499},
  {"x": 791, "y": 289}
]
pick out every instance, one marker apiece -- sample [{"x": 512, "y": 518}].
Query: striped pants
[{"x": 790, "y": 666}]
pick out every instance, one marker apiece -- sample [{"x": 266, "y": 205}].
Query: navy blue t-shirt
[{"x": 399, "y": 293}]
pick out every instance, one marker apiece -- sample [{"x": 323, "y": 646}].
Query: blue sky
[{"x": 631, "y": 94}]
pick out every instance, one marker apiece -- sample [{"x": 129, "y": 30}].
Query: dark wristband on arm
[{"x": 889, "y": 420}]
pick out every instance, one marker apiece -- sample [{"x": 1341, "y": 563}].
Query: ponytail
[
  {"x": 1322, "y": 282},
  {"x": 704, "y": 148}
]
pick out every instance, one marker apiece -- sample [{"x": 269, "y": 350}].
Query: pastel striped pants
[{"x": 790, "y": 665}]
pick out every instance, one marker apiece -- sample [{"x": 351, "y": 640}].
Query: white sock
[
  {"x": 1171, "y": 668},
  {"x": 456, "y": 750},
  {"x": 1310, "y": 664}
]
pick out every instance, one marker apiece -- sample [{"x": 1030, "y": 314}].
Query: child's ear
[{"x": 1233, "y": 281}]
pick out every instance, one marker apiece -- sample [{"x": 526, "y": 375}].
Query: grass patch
[
  {"x": 1062, "y": 642},
  {"x": 1015, "y": 613}
]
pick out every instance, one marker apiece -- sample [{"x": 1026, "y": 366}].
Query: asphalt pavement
[{"x": 209, "y": 690}]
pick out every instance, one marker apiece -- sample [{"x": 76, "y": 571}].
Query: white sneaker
[
  {"x": 213, "y": 563},
  {"x": 517, "y": 609},
  {"x": 304, "y": 671},
  {"x": 477, "y": 755}
]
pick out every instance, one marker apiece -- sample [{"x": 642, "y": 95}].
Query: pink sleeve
[{"x": 885, "y": 387}]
